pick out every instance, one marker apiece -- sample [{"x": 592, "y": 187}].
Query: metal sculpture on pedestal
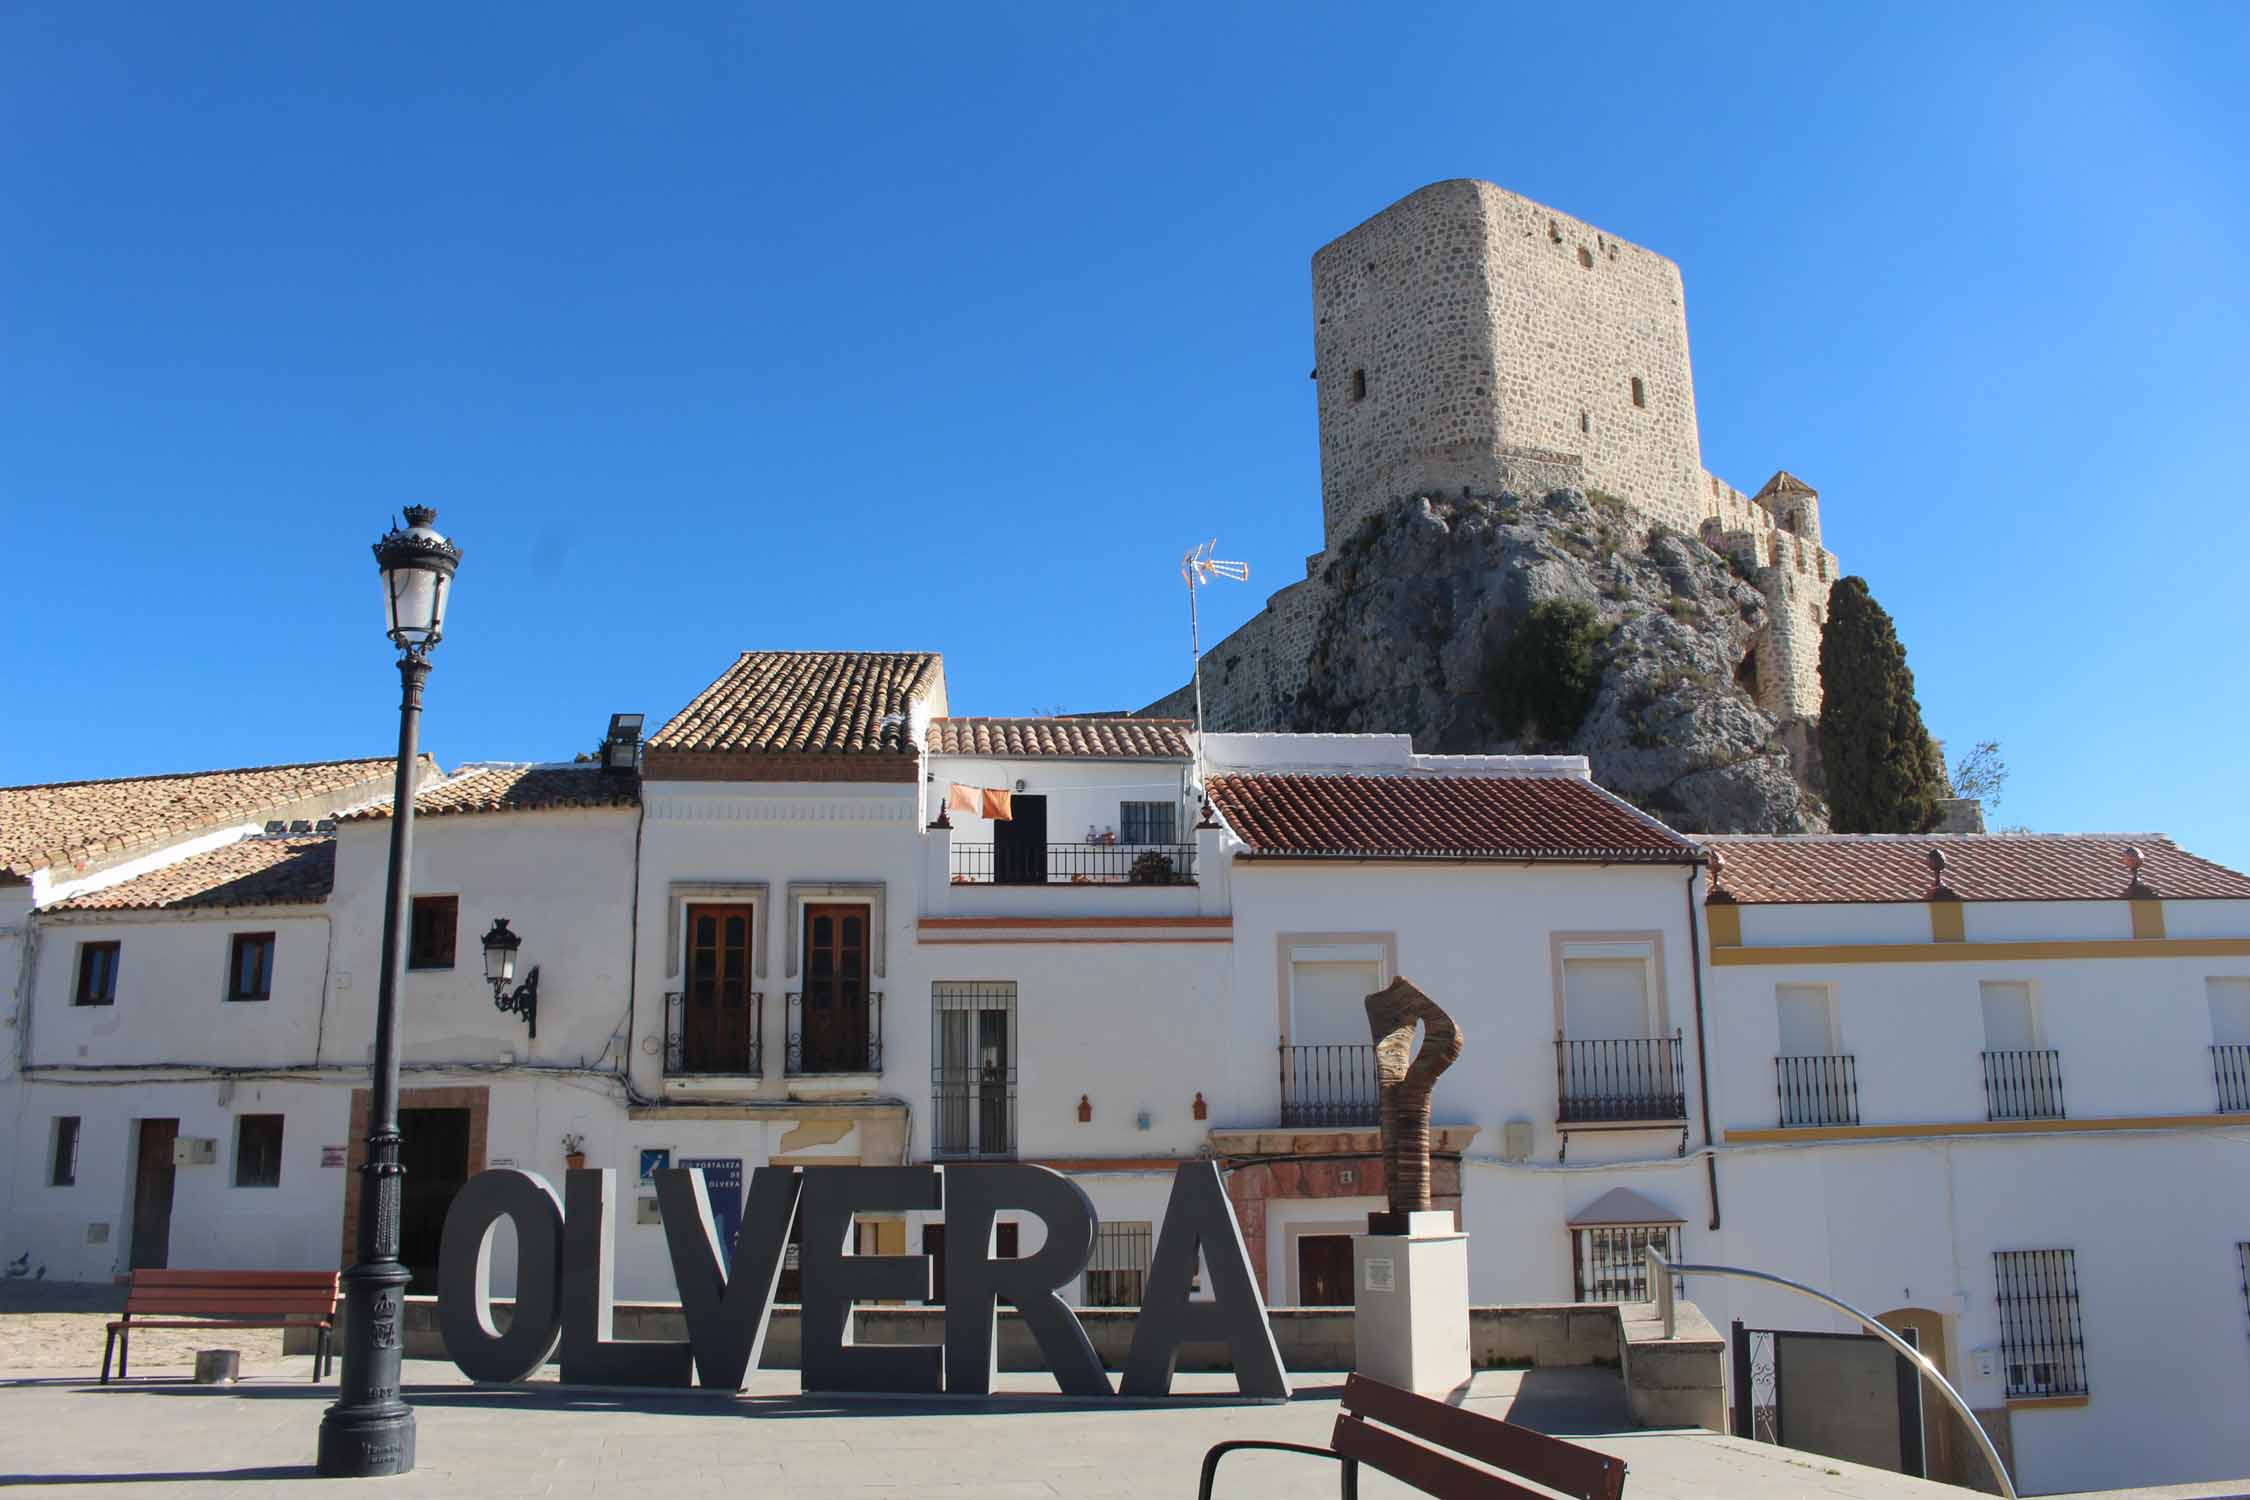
[{"x": 1392, "y": 1014}]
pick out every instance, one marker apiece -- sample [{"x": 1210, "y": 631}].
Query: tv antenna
[{"x": 1199, "y": 568}]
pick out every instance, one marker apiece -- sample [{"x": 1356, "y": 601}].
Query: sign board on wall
[
  {"x": 564, "y": 1279},
  {"x": 722, "y": 1184},
  {"x": 334, "y": 1156}
]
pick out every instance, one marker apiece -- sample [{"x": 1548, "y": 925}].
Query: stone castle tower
[{"x": 1468, "y": 339}]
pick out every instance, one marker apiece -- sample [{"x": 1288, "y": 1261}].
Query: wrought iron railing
[
  {"x": 1817, "y": 1090},
  {"x": 836, "y": 1042},
  {"x": 683, "y": 1060},
  {"x": 1074, "y": 864},
  {"x": 2023, "y": 1085},
  {"x": 2230, "y": 1070},
  {"x": 1329, "y": 1084},
  {"x": 1633, "y": 1078},
  {"x": 975, "y": 1110}
]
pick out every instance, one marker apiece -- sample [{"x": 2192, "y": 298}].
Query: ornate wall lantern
[{"x": 500, "y": 947}]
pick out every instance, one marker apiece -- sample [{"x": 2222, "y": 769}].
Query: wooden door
[
  {"x": 719, "y": 1033},
  {"x": 434, "y": 1149},
  {"x": 152, "y": 1196},
  {"x": 1324, "y": 1270},
  {"x": 833, "y": 1029},
  {"x": 1019, "y": 845}
]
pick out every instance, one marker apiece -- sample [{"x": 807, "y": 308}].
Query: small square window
[
  {"x": 64, "y": 1172},
  {"x": 250, "y": 966},
  {"x": 97, "y": 974},
  {"x": 257, "y": 1151},
  {"x": 429, "y": 943}
]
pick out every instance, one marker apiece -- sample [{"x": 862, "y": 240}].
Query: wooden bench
[
  {"x": 225, "y": 1299},
  {"x": 1430, "y": 1465}
]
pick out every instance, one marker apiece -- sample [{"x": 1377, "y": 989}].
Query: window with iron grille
[
  {"x": 2242, "y": 1260},
  {"x": 250, "y": 966},
  {"x": 1117, "y": 1273},
  {"x": 1609, "y": 1262},
  {"x": 2042, "y": 1341},
  {"x": 1148, "y": 823},
  {"x": 973, "y": 1069},
  {"x": 257, "y": 1151}
]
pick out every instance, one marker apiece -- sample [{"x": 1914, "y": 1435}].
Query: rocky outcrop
[{"x": 1423, "y": 598}]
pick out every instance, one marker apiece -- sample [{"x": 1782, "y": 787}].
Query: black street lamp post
[{"x": 370, "y": 1429}]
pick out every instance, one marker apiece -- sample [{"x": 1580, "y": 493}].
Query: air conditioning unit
[{"x": 195, "y": 1151}]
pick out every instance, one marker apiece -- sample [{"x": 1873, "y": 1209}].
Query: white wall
[
  {"x": 1477, "y": 939},
  {"x": 2133, "y": 1033},
  {"x": 171, "y": 1004},
  {"x": 564, "y": 880}
]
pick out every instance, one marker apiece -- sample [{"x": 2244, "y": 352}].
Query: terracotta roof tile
[
  {"x": 1823, "y": 868},
  {"x": 1406, "y": 816},
  {"x": 498, "y": 789},
  {"x": 1090, "y": 738},
  {"x": 249, "y": 872},
  {"x": 807, "y": 702},
  {"x": 70, "y": 822}
]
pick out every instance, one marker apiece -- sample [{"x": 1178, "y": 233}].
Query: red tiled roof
[
  {"x": 498, "y": 789},
  {"x": 71, "y": 822},
  {"x": 1509, "y": 817},
  {"x": 806, "y": 702},
  {"x": 1824, "y": 868},
  {"x": 249, "y": 872},
  {"x": 1092, "y": 739}
]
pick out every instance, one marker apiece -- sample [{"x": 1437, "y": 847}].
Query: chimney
[{"x": 1961, "y": 814}]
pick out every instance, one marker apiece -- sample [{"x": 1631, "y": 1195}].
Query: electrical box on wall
[
  {"x": 1515, "y": 1140},
  {"x": 195, "y": 1151}
]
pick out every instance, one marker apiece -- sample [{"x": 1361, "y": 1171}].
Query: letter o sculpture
[{"x": 465, "y": 1276}]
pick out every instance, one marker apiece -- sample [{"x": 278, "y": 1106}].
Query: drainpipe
[{"x": 1702, "y": 1055}]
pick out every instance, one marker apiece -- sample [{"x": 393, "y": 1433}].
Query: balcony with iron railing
[
  {"x": 1329, "y": 1085},
  {"x": 1624, "y": 1079},
  {"x": 1100, "y": 864},
  {"x": 1817, "y": 1089},
  {"x": 835, "y": 1036},
  {"x": 2023, "y": 1085},
  {"x": 2230, "y": 1071},
  {"x": 724, "y": 1047}
]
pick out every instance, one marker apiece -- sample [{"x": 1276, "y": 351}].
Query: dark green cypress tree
[{"x": 1882, "y": 774}]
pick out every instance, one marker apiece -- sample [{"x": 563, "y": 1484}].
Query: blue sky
[{"x": 714, "y": 327}]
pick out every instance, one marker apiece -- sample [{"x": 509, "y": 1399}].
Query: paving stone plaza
[{"x": 63, "y": 1433}]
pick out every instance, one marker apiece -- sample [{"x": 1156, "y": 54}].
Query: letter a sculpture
[{"x": 1392, "y": 1014}]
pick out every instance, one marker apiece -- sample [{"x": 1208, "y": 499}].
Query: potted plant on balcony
[
  {"x": 1151, "y": 867},
  {"x": 574, "y": 1151}
]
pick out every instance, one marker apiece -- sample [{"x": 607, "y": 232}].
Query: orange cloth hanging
[
  {"x": 999, "y": 804},
  {"x": 965, "y": 799}
]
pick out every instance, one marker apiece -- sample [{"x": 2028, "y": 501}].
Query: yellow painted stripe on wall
[
  {"x": 1954, "y": 953},
  {"x": 1920, "y": 1129}
]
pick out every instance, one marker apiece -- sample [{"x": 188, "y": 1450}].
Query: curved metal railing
[{"x": 1661, "y": 1272}]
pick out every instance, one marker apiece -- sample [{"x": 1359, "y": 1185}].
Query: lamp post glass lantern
[{"x": 370, "y": 1429}]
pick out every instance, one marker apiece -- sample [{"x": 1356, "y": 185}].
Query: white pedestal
[{"x": 1412, "y": 1325}]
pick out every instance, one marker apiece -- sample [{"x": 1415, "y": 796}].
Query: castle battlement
[{"x": 1469, "y": 340}]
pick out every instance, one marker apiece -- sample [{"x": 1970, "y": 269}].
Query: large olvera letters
[{"x": 565, "y": 1280}]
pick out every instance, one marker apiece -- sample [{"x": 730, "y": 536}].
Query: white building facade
[{"x": 817, "y": 919}]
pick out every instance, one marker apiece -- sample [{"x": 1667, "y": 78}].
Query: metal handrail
[{"x": 1661, "y": 1272}]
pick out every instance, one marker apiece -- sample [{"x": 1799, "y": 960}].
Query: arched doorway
[{"x": 1944, "y": 1446}]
